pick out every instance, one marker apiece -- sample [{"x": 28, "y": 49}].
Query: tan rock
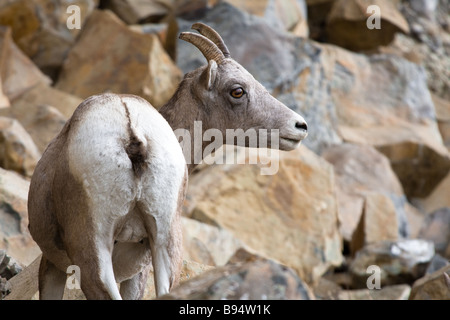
[
  {"x": 17, "y": 72},
  {"x": 378, "y": 222},
  {"x": 438, "y": 198},
  {"x": 207, "y": 244},
  {"x": 19, "y": 153},
  {"x": 14, "y": 234},
  {"x": 39, "y": 28},
  {"x": 347, "y": 24},
  {"x": 435, "y": 286},
  {"x": 420, "y": 167},
  {"x": 365, "y": 181},
  {"x": 44, "y": 95},
  {"x": 135, "y": 63},
  {"x": 135, "y": 11},
  {"x": 290, "y": 216}
]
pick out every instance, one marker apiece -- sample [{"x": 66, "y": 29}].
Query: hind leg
[
  {"x": 97, "y": 275},
  {"x": 166, "y": 248},
  {"x": 51, "y": 281}
]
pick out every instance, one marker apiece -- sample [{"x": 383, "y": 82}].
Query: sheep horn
[
  {"x": 206, "y": 46},
  {"x": 212, "y": 34}
]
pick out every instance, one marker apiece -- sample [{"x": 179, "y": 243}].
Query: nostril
[{"x": 301, "y": 125}]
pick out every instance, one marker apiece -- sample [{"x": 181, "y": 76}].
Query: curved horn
[
  {"x": 206, "y": 46},
  {"x": 212, "y": 34}
]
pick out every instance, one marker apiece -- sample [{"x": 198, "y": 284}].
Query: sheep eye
[{"x": 237, "y": 93}]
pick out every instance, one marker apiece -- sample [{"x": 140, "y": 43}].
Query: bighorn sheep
[{"x": 107, "y": 192}]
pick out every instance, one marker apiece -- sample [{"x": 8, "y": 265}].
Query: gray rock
[
  {"x": 400, "y": 261},
  {"x": 436, "y": 263},
  {"x": 255, "y": 280}
]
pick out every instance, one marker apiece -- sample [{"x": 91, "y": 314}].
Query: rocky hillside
[{"x": 360, "y": 211}]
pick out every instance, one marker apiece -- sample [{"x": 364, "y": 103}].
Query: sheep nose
[{"x": 301, "y": 125}]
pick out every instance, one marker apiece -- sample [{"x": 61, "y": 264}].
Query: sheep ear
[{"x": 209, "y": 75}]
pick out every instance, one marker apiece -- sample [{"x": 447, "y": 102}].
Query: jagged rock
[
  {"x": 18, "y": 73},
  {"x": 19, "y": 153},
  {"x": 256, "y": 280},
  {"x": 39, "y": 28},
  {"x": 363, "y": 175},
  {"x": 434, "y": 286},
  {"x": 14, "y": 234},
  {"x": 378, "y": 222},
  {"x": 135, "y": 11},
  {"x": 347, "y": 24},
  {"x": 296, "y": 206},
  {"x": 419, "y": 166},
  {"x": 207, "y": 244},
  {"x": 400, "y": 261},
  {"x": 8, "y": 266},
  {"x": 8, "y": 269},
  {"x": 136, "y": 63},
  {"x": 436, "y": 228}
]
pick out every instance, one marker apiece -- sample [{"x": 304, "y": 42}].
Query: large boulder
[
  {"x": 366, "y": 183},
  {"x": 40, "y": 28},
  {"x": 17, "y": 72},
  {"x": 289, "y": 216},
  {"x": 347, "y": 24},
  {"x": 110, "y": 56},
  {"x": 261, "y": 279}
]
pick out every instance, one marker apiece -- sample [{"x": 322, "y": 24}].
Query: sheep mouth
[
  {"x": 290, "y": 143},
  {"x": 291, "y": 140}
]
